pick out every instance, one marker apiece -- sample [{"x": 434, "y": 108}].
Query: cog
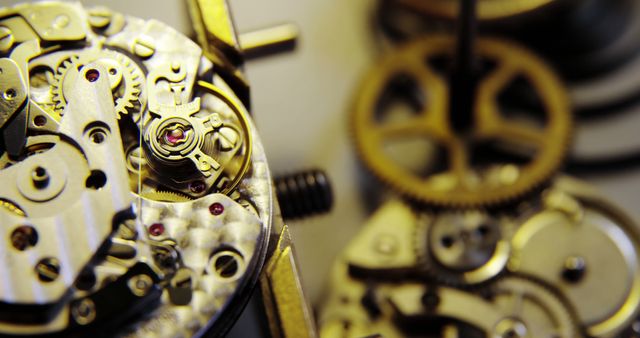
[
  {"x": 165, "y": 196},
  {"x": 461, "y": 248},
  {"x": 582, "y": 247},
  {"x": 125, "y": 77},
  {"x": 487, "y": 10},
  {"x": 506, "y": 153},
  {"x": 531, "y": 310}
]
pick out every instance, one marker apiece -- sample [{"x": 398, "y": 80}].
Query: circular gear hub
[
  {"x": 511, "y": 149},
  {"x": 462, "y": 248}
]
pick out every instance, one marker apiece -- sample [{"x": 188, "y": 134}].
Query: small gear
[
  {"x": 531, "y": 310},
  {"x": 461, "y": 248},
  {"x": 125, "y": 77},
  {"x": 165, "y": 196},
  {"x": 510, "y": 149}
]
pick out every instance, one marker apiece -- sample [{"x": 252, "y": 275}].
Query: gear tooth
[
  {"x": 131, "y": 75},
  {"x": 166, "y": 196}
]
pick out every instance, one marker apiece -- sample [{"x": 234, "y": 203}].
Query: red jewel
[
  {"x": 197, "y": 187},
  {"x": 216, "y": 209},
  {"x": 92, "y": 75},
  {"x": 174, "y": 136},
  {"x": 156, "y": 229}
]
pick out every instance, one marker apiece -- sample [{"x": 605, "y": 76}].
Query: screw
[
  {"x": 99, "y": 17},
  {"x": 304, "y": 194},
  {"x": 140, "y": 285},
  {"x": 226, "y": 264},
  {"x": 24, "y": 237},
  {"x": 48, "y": 269},
  {"x": 6, "y": 39},
  {"x": 40, "y": 177},
  {"x": 84, "y": 311},
  {"x": 574, "y": 269},
  {"x": 143, "y": 47},
  {"x": 165, "y": 257}
]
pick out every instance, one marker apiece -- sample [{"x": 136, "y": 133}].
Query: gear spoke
[{"x": 412, "y": 127}]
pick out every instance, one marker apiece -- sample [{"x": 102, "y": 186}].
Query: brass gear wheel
[
  {"x": 462, "y": 249},
  {"x": 463, "y": 182},
  {"x": 487, "y": 9},
  {"x": 125, "y": 77}
]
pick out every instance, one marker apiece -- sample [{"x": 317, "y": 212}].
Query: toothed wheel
[
  {"x": 462, "y": 248},
  {"x": 165, "y": 196},
  {"x": 531, "y": 310},
  {"x": 403, "y": 133},
  {"x": 125, "y": 77}
]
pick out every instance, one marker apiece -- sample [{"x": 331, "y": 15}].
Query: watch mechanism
[{"x": 137, "y": 200}]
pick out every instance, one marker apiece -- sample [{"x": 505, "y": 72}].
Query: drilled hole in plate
[
  {"x": 39, "y": 120},
  {"x": 418, "y": 155},
  {"x": 41, "y": 77},
  {"x": 96, "y": 180},
  {"x": 400, "y": 100},
  {"x": 9, "y": 94}
]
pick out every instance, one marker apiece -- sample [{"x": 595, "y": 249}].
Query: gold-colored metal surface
[
  {"x": 214, "y": 29},
  {"x": 269, "y": 40},
  {"x": 285, "y": 304},
  {"x": 463, "y": 248},
  {"x": 461, "y": 183},
  {"x": 487, "y": 9}
]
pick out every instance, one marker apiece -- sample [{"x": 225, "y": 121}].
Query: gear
[
  {"x": 531, "y": 310},
  {"x": 487, "y": 10},
  {"x": 165, "y": 196},
  {"x": 461, "y": 249},
  {"x": 511, "y": 148},
  {"x": 582, "y": 246},
  {"x": 125, "y": 77}
]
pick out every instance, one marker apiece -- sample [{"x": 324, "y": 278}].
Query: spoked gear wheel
[
  {"x": 511, "y": 149},
  {"x": 125, "y": 76},
  {"x": 531, "y": 310},
  {"x": 462, "y": 248}
]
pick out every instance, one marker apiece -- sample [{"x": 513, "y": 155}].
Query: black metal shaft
[{"x": 463, "y": 79}]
